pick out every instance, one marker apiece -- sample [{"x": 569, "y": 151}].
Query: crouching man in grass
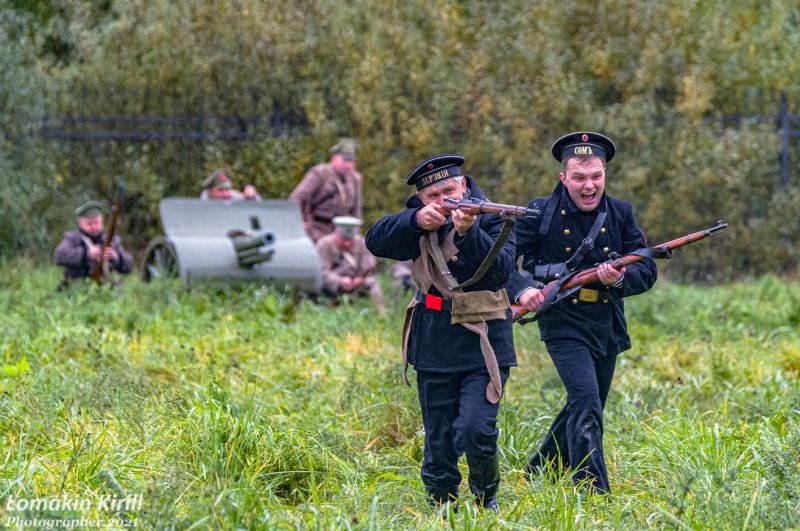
[
  {"x": 80, "y": 251},
  {"x": 457, "y": 338},
  {"x": 580, "y": 227}
]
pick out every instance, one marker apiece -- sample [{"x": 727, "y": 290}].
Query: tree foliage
[{"x": 495, "y": 81}]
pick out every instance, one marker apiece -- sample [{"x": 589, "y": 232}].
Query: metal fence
[
  {"x": 787, "y": 122},
  {"x": 106, "y": 130}
]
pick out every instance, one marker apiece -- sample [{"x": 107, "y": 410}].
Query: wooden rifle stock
[
  {"x": 479, "y": 206},
  {"x": 590, "y": 275},
  {"x": 97, "y": 272}
]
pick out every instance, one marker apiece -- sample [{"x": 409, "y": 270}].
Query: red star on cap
[
  {"x": 430, "y": 166},
  {"x": 222, "y": 178},
  {"x": 585, "y": 137}
]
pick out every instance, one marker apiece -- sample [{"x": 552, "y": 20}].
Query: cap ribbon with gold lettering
[
  {"x": 435, "y": 169},
  {"x": 583, "y": 143}
]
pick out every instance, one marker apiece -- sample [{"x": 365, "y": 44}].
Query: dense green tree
[{"x": 496, "y": 81}]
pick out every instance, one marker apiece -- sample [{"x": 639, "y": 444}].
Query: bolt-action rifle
[
  {"x": 97, "y": 272},
  {"x": 568, "y": 284},
  {"x": 479, "y": 206}
]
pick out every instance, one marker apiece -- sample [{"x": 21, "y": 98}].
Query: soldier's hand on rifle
[
  {"x": 431, "y": 216},
  {"x": 358, "y": 281},
  {"x": 608, "y": 275},
  {"x": 462, "y": 221},
  {"x": 94, "y": 252},
  {"x": 531, "y": 299},
  {"x": 110, "y": 255},
  {"x": 346, "y": 284}
]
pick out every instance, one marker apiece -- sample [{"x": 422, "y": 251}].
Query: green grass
[{"x": 240, "y": 407}]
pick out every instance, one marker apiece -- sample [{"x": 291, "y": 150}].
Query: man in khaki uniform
[
  {"x": 80, "y": 250},
  {"x": 347, "y": 265},
  {"x": 329, "y": 190},
  {"x": 218, "y": 186}
]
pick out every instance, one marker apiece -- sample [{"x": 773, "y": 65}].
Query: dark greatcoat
[
  {"x": 583, "y": 338},
  {"x": 436, "y": 345},
  {"x": 601, "y": 325},
  {"x": 71, "y": 254}
]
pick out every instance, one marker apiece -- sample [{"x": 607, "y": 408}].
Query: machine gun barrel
[
  {"x": 252, "y": 241},
  {"x": 250, "y": 248}
]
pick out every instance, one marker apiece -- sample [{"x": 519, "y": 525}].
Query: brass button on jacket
[{"x": 566, "y": 232}]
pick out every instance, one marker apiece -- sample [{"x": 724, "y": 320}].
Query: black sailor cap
[
  {"x": 434, "y": 169},
  {"x": 583, "y": 143}
]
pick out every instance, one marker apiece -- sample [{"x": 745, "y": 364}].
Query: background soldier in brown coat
[
  {"x": 330, "y": 190},
  {"x": 80, "y": 250},
  {"x": 347, "y": 265}
]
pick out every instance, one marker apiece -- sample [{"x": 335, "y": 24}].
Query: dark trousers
[
  {"x": 458, "y": 419},
  {"x": 575, "y": 439}
]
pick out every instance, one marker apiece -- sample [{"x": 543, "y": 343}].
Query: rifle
[
  {"x": 97, "y": 272},
  {"x": 479, "y": 206},
  {"x": 565, "y": 286}
]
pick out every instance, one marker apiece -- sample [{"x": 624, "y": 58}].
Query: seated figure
[{"x": 347, "y": 265}]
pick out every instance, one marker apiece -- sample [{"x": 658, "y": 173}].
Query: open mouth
[{"x": 588, "y": 197}]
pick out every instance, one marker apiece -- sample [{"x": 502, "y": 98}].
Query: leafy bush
[{"x": 497, "y": 83}]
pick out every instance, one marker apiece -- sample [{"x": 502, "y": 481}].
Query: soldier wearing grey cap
[
  {"x": 458, "y": 331},
  {"x": 347, "y": 265},
  {"x": 329, "y": 190},
  {"x": 580, "y": 226},
  {"x": 218, "y": 186},
  {"x": 80, "y": 250}
]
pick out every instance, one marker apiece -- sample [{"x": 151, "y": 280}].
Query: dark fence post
[{"x": 785, "y": 132}]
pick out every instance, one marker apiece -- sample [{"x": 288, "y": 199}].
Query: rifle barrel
[
  {"x": 590, "y": 275},
  {"x": 479, "y": 206}
]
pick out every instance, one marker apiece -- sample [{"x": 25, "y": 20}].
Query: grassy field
[{"x": 227, "y": 407}]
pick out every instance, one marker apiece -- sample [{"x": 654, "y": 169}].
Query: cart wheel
[{"x": 160, "y": 260}]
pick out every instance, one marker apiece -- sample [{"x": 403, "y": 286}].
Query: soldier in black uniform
[
  {"x": 579, "y": 226},
  {"x": 458, "y": 339}
]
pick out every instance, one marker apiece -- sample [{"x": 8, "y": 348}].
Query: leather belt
[
  {"x": 433, "y": 302},
  {"x": 589, "y": 295}
]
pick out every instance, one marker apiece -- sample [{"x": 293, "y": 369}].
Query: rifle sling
[
  {"x": 430, "y": 249},
  {"x": 549, "y": 210},
  {"x": 508, "y": 226},
  {"x": 588, "y": 242}
]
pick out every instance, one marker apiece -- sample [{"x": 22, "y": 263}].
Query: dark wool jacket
[
  {"x": 600, "y": 325},
  {"x": 71, "y": 255},
  {"x": 436, "y": 345}
]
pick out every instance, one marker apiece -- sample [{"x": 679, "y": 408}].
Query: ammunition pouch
[
  {"x": 548, "y": 272},
  {"x": 478, "y": 306}
]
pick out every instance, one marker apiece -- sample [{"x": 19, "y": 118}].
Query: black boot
[
  {"x": 484, "y": 478},
  {"x": 441, "y": 498}
]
